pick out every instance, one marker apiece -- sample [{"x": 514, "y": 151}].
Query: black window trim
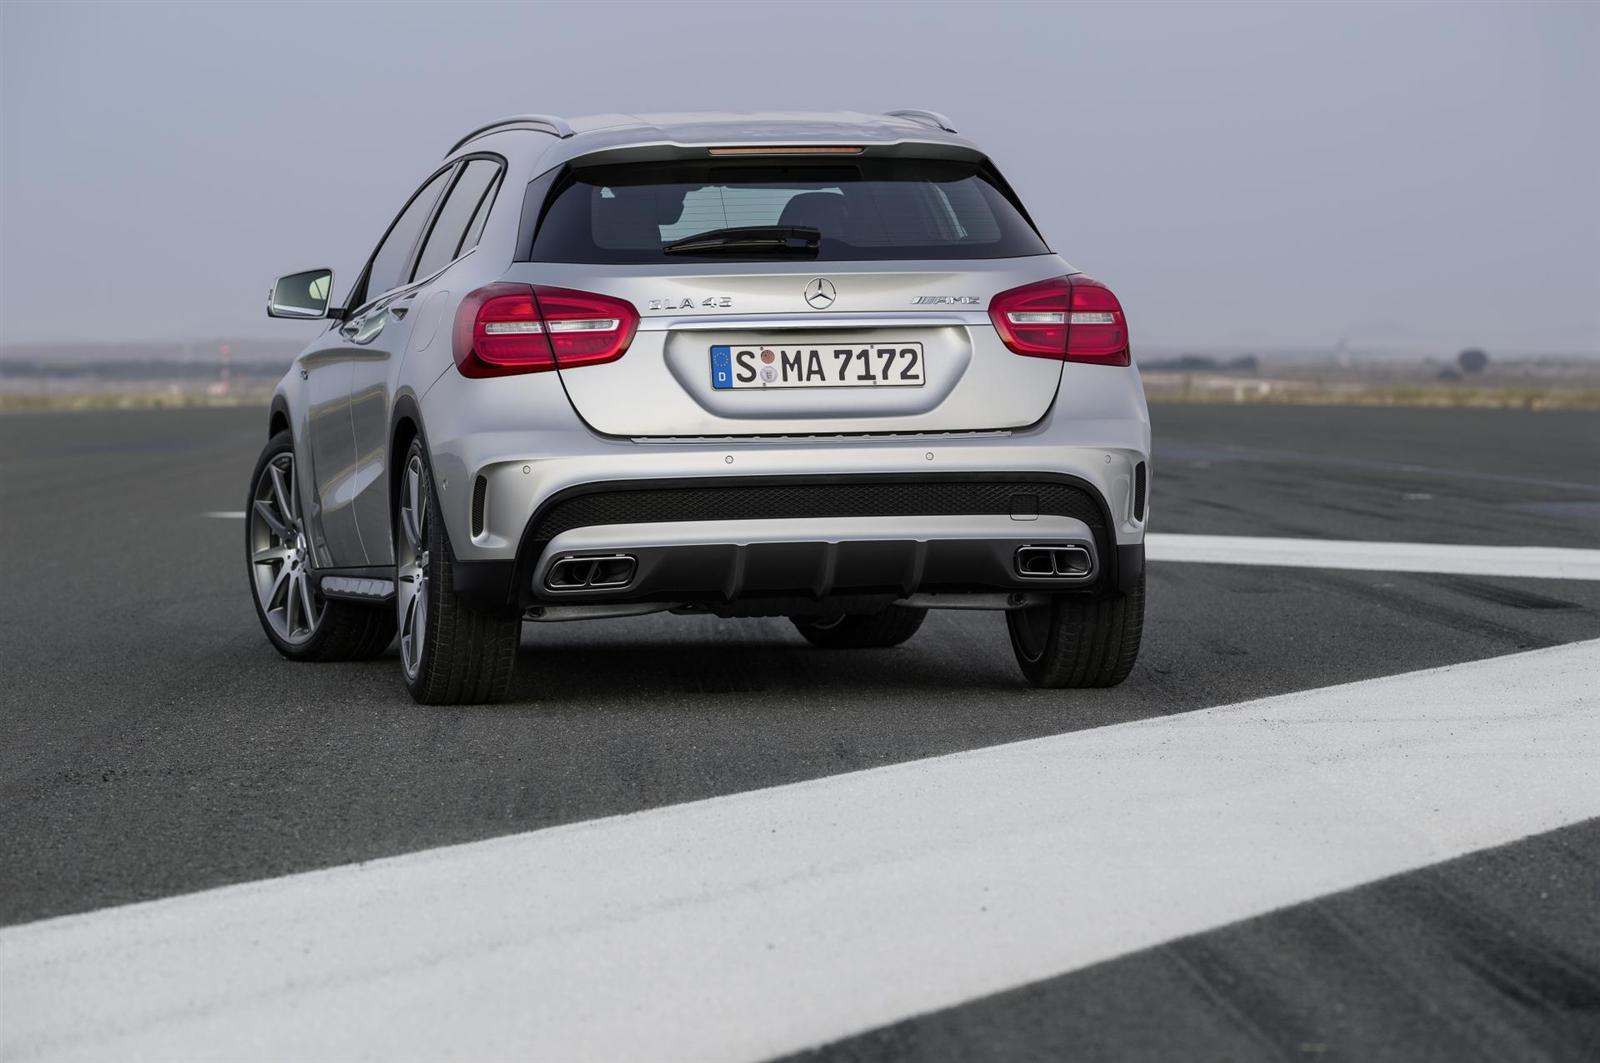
[
  {"x": 415, "y": 260},
  {"x": 536, "y": 199},
  {"x": 366, "y": 270},
  {"x": 353, "y": 310},
  {"x": 486, "y": 204}
]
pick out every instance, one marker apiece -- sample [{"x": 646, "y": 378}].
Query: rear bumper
[
  {"x": 493, "y": 585},
  {"x": 730, "y": 539},
  {"x": 815, "y": 558}
]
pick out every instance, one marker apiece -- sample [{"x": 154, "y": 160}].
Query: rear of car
[{"x": 822, "y": 367}]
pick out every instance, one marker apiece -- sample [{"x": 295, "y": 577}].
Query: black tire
[
  {"x": 891, "y": 627},
  {"x": 345, "y": 631},
  {"x": 1079, "y": 642},
  {"x": 467, "y": 655}
]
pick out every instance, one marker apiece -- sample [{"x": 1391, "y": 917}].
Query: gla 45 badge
[{"x": 716, "y": 302}]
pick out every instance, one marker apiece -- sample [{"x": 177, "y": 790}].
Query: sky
[{"x": 1246, "y": 176}]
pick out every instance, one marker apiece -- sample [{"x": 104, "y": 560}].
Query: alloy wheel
[
  {"x": 280, "y": 559},
  {"x": 411, "y": 565}
]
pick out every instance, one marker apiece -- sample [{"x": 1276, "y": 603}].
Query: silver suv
[{"x": 820, "y": 366}]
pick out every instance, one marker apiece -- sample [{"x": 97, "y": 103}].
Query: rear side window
[
  {"x": 475, "y": 226},
  {"x": 873, "y": 209},
  {"x": 467, "y": 197},
  {"x": 389, "y": 262}
]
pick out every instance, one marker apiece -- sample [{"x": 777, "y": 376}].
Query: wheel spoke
[
  {"x": 410, "y": 515},
  {"x": 413, "y": 534},
  {"x": 267, "y": 555},
  {"x": 281, "y": 494},
  {"x": 419, "y": 623},
  {"x": 308, "y": 611},
  {"x": 408, "y": 632},
  {"x": 291, "y": 479},
  {"x": 290, "y": 604},
  {"x": 420, "y": 513},
  {"x": 265, "y": 511},
  {"x": 410, "y": 625},
  {"x": 278, "y": 584}
]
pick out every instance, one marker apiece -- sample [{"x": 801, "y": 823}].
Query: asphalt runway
[{"x": 157, "y": 746}]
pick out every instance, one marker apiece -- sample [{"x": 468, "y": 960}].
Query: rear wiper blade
[{"x": 779, "y": 239}]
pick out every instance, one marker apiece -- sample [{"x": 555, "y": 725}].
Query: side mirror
[{"x": 301, "y": 295}]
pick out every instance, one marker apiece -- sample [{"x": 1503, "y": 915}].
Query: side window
[
  {"x": 475, "y": 229},
  {"x": 460, "y": 206},
  {"x": 394, "y": 254}
]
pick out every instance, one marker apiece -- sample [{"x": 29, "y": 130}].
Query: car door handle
[{"x": 363, "y": 329}]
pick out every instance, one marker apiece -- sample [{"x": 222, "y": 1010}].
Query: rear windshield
[{"x": 870, "y": 209}]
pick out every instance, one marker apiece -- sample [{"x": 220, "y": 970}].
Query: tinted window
[
  {"x": 475, "y": 228},
  {"x": 871, "y": 209},
  {"x": 389, "y": 262},
  {"x": 459, "y": 208}
]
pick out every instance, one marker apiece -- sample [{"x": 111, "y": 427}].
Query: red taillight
[
  {"x": 584, "y": 328},
  {"x": 1096, "y": 330},
  {"x": 518, "y": 328},
  {"x": 1032, "y": 319},
  {"x": 498, "y": 331},
  {"x": 1074, "y": 318}
]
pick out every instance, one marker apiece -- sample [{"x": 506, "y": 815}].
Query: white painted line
[
  {"x": 226, "y": 514},
  {"x": 750, "y": 925},
  {"x": 1541, "y": 562}
]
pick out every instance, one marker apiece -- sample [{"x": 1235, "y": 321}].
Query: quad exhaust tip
[
  {"x": 594, "y": 572},
  {"x": 1053, "y": 562}
]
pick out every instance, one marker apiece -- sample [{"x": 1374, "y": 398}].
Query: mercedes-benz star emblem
[{"x": 820, "y": 293}]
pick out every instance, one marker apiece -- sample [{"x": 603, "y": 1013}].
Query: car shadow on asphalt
[{"x": 624, "y": 671}]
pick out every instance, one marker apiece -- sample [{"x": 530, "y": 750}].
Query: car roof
[{"x": 589, "y": 134}]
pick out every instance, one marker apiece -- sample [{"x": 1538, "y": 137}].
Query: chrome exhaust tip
[
  {"x": 1053, "y": 562},
  {"x": 592, "y": 572}
]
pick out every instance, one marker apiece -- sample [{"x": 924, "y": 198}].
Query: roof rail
[
  {"x": 928, "y": 118},
  {"x": 547, "y": 123}
]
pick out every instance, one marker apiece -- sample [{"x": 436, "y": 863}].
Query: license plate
[{"x": 877, "y": 365}]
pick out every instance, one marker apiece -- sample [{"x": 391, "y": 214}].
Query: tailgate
[{"x": 816, "y": 351}]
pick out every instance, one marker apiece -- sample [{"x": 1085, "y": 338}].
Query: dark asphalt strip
[
  {"x": 1487, "y": 477},
  {"x": 1491, "y": 957}
]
